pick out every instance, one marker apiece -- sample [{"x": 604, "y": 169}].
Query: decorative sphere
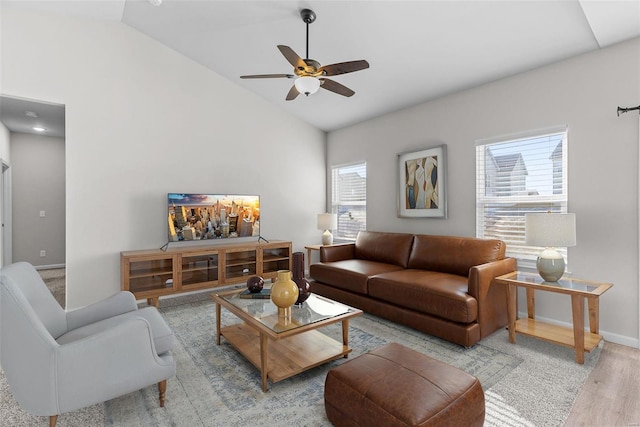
[{"x": 255, "y": 284}]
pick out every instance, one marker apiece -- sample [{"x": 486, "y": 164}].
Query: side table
[
  {"x": 579, "y": 290},
  {"x": 310, "y": 249}
]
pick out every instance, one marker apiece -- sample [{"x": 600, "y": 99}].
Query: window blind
[
  {"x": 349, "y": 199},
  {"x": 515, "y": 176}
]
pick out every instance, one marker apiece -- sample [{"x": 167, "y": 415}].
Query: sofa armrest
[
  {"x": 491, "y": 297},
  {"x": 337, "y": 252}
]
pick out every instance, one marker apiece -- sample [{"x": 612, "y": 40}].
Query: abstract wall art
[{"x": 421, "y": 183}]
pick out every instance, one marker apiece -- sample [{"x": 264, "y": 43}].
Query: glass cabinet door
[
  {"x": 151, "y": 275},
  {"x": 275, "y": 259},
  {"x": 239, "y": 265},
  {"x": 199, "y": 270}
]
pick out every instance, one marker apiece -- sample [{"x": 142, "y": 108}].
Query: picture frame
[{"x": 422, "y": 183}]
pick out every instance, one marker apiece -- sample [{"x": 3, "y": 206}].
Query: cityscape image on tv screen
[{"x": 212, "y": 216}]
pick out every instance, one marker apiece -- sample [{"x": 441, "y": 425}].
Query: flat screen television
[{"x": 212, "y": 216}]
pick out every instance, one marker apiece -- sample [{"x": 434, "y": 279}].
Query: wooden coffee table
[{"x": 281, "y": 348}]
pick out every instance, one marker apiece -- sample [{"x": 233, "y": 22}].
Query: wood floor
[{"x": 611, "y": 394}]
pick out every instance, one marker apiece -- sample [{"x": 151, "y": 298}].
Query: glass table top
[
  {"x": 314, "y": 309},
  {"x": 566, "y": 282}
]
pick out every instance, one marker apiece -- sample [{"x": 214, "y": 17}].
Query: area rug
[{"x": 532, "y": 383}]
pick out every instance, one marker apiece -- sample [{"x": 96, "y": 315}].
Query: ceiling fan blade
[
  {"x": 293, "y": 58},
  {"x": 268, "y": 76},
  {"x": 344, "y": 67},
  {"x": 335, "y": 87},
  {"x": 293, "y": 93}
]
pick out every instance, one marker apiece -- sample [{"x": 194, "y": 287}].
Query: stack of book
[{"x": 265, "y": 293}]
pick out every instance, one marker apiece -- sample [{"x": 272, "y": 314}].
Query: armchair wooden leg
[
  {"x": 162, "y": 387},
  {"x": 53, "y": 419}
]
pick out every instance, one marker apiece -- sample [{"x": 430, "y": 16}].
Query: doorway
[{"x": 33, "y": 183}]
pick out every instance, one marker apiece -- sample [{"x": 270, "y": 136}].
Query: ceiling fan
[{"x": 309, "y": 74}]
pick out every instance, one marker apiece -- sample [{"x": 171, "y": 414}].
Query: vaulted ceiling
[{"x": 418, "y": 50}]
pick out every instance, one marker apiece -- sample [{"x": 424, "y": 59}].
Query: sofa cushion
[
  {"x": 390, "y": 248},
  {"x": 439, "y": 294},
  {"x": 350, "y": 275},
  {"x": 455, "y": 255}
]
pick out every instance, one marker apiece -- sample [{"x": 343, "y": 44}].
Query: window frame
[
  {"x": 335, "y": 202},
  {"x": 556, "y": 202}
]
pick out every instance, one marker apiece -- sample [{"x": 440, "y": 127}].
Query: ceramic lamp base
[
  {"x": 550, "y": 265},
  {"x": 327, "y": 238}
]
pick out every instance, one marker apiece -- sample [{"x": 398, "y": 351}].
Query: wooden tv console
[{"x": 153, "y": 273}]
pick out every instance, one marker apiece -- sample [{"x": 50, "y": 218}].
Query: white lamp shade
[
  {"x": 307, "y": 85},
  {"x": 550, "y": 229},
  {"x": 327, "y": 221}
]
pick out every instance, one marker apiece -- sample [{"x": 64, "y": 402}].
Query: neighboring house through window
[
  {"x": 349, "y": 199},
  {"x": 515, "y": 176}
]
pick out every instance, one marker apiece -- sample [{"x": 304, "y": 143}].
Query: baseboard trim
[{"x": 49, "y": 267}]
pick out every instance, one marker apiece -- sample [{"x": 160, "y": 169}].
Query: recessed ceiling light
[
  {"x": 39, "y": 129},
  {"x": 30, "y": 114}
]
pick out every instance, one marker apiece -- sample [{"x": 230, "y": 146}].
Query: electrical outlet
[
  {"x": 43, "y": 253},
  {"x": 41, "y": 214}
]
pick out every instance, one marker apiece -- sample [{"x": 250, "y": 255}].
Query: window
[
  {"x": 349, "y": 199},
  {"x": 516, "y": 176}
]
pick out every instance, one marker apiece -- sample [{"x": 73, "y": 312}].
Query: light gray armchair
[{"x": 57, "y": 361}]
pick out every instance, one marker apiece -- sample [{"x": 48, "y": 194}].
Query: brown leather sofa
[{"x": 441, "y": 285}]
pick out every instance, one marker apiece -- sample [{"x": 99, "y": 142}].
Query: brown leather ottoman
[{"x": 396, "y": 386}]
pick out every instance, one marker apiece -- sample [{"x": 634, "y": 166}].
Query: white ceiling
[
  {"x": 22, "y": 115},
  {"x": 418, "y": 50}
]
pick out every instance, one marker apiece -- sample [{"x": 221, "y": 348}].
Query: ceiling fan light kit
[
  {"x": 307, "y": 85},
  {"x": 309, "y": 74}
]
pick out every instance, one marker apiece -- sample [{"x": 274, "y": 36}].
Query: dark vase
[{"x": 298, "y": 277}]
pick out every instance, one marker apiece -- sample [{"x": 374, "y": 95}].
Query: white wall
[
  {"x": 582, "y": 93},
  {"x": 38, "y": 185},
  {"x": 142, "y": 121}
]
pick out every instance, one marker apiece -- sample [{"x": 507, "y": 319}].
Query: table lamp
[
  {"x": 550, "y": 230},
  {"x": 327, "y": 222}
]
